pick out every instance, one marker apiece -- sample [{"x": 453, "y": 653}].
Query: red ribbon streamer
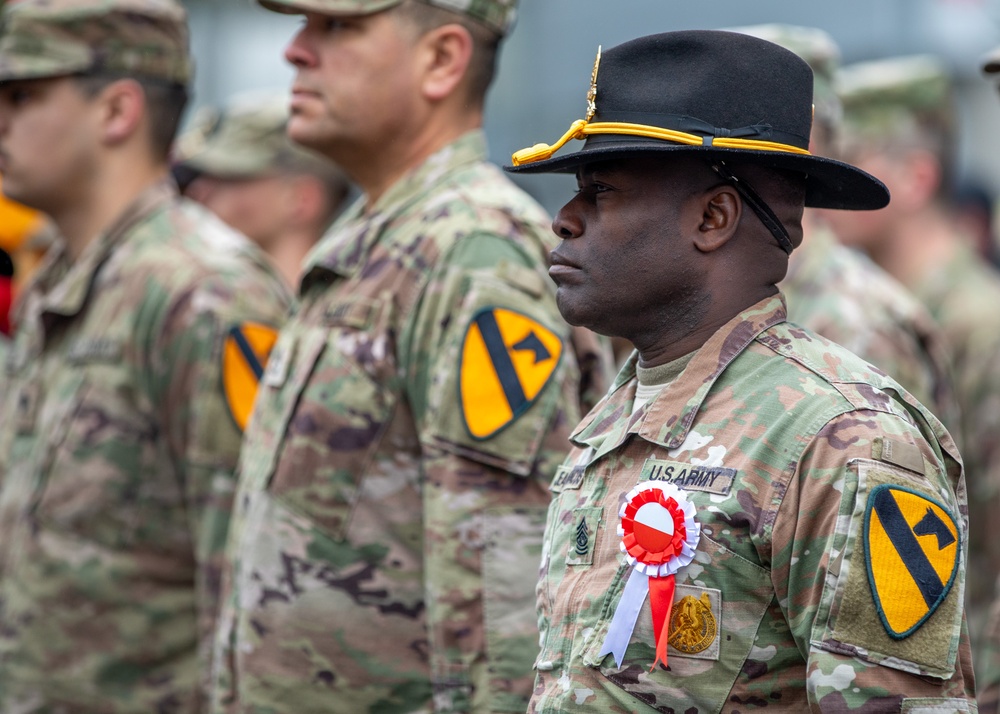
[{"x": 661, "y": 601}]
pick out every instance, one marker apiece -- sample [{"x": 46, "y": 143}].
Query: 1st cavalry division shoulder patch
[
  {"x": 507, "y": 358},
  {"x": 244, "y": 357},
  {"x": 912, "y": 550}
]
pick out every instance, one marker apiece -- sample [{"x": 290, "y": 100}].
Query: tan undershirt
[{"x": 652, "y": 380}]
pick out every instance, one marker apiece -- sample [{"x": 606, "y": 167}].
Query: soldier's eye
[{"x": 15, "y": 96}]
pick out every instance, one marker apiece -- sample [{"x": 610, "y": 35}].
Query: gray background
[{"x": 546, "y": 62}]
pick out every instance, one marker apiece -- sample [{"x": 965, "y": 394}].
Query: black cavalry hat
[{"x": 730, "y": 96}]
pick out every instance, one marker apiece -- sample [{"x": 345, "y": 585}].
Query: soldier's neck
[
  {"x": 98, "y": 205},
  {"x": 379, "y": 173}
]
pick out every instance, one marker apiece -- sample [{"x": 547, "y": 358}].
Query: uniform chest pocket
[
  {"x": 332, "y": 414},
  {"x": 719, "y": 603},
  {"x": 103, "y": 474}
]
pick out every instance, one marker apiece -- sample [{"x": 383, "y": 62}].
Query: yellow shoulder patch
[
  {"x": 507, "y": 359},
  {"x": 244, "y": 356},
  {"x": 912, "y": 552}
]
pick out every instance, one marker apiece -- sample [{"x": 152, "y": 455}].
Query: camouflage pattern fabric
[
  {"x": 498, "y": 15},
  {"x": 117, "y": 451},
  {"x": 780, "y": 439},
  {"x": 51, "y": 38},
  {"x": 385, "y": 549},
  {"x": 842, "y": 295},
  {"x": 893, "y": 102},
  {"x": 963, "y": 295},
  {"x": 248, "y": 140}
]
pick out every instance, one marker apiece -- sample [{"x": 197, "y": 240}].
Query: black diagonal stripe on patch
[
  {"x": 909, "y": 549},
  {"x": 502, "y": 363},
  {"x": 247, "y": 351}
]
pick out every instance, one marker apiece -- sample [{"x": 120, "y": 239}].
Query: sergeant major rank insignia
[
  {"x": 912, "y": 546},
  {"x": 244, "y": 356},
  {"x": 507, "y": 359}
]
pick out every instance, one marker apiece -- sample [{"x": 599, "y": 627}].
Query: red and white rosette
[{"x": 659, "y": 537}]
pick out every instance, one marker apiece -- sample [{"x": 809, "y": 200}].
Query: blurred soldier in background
[
  {"x": 394, "y": 480},
  {"x": 974, "y": 207},
  {"x": 988, "y": 656},
  {"x": 242, "y": 166},
  {"x": 839, "y": 292},
  {"x": 131, "y": 371},
  {"x": 899, "y": 124}
]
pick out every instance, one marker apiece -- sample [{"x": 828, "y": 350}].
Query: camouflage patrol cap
[
  {"x": 896, "y": 98},
  {"x": 52, "y": 38},
  {"x": 498, "y": 15},
  {"x": 246, "y": 140},
  {"x": 820, "y": 52}
]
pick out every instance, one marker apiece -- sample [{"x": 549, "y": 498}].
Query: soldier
[
  {"x": 242, "y": 166},
  {"x": 131, "y": 374},
  {"x": 988, "y": 652},
  {"x": 754, "y": 517},
  {"x": 393, "y": 483},
  {"x": 840, "y": 293},
  {"x": 899, "y": 121}
]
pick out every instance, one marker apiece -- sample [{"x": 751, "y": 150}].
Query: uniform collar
[
  {"x": 345, "y": 248},
  {"x": 66, "y": 285},
  {"x": 660, "y": 421}
]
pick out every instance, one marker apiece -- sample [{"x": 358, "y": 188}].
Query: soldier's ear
[
  {"x": 445, "y": 53},
  {"x": 721, "y": 209},
  {"x": 123, "y": 109}
]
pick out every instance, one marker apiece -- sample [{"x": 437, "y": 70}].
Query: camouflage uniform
[
  {"x": 890, "y": 106},
  {"x": 117, "y": 449},
  {"x": 963, "y": 295},
  {"x": 385, "y": 546},
  {"x": 118, "y": 439},
  {"x": 843, "y": 296},
  {"x": 838, "y": 292},
  {"x": 779, "y": 438}
]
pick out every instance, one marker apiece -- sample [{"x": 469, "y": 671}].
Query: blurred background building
[{"x": 545, "y": 66}]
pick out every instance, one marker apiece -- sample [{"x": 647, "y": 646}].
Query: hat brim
[
  {"x": 333, "y": 8},
  {"x": 217, "y": 161},
  {"x": 829, "y": 183},
  {"x": 991, "y": 62}
]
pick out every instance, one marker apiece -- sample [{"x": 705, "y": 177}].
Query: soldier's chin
[
  {"x": 302, "y": 131},
  {"x": 570, "y": 308}
]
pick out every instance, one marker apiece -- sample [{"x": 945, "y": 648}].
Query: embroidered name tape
[
  {"x": 711, "y": 479},
  {"x": 95, "y": 350},
  {"x": 567, "y": 478}
]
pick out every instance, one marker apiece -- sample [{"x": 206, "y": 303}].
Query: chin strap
[{"x": 757, "y": 205}]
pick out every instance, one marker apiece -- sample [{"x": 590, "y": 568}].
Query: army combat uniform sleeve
[
  {"x": 193, "y": 379},
  {"x": 875, "y": 612},
  {"x": 493, "y": 383}
]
